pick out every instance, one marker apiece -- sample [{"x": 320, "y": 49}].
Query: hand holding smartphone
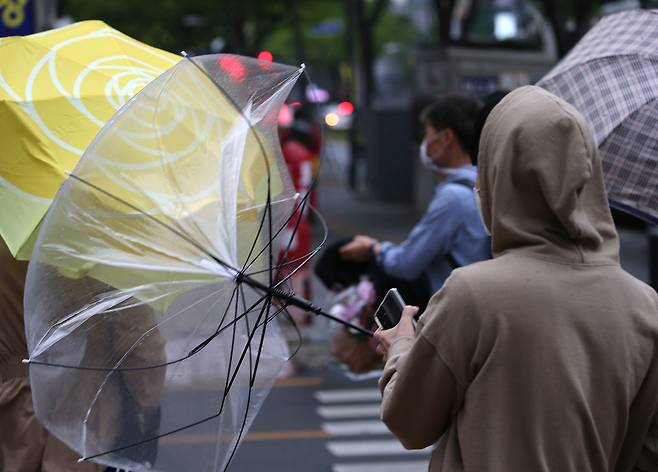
[{"x": 389, "y": 312}]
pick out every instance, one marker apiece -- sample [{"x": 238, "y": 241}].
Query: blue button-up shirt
[{"x": 451, "y": 225}]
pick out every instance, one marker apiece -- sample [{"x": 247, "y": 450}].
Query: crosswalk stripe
[
  {"x": 406, "y": 466},
  {"x": 348, "y": 411},
  {"x": 349, "y": 428},
  {"x": 371, "y": 448},
  {"x": 348, "y": 395}
]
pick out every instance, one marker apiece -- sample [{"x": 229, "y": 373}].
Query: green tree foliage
[
  {"x": 191, "y": 24},
  {"x": 317, "y": 47},
  {"x": 295, "y": 31}
]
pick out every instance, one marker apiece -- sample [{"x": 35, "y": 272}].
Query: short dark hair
[
  {"x": 490, "y": 102},
  {"x": 456, "y": 111}
]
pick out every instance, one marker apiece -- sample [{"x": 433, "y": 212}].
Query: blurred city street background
[{"x": 372, "y": 66}]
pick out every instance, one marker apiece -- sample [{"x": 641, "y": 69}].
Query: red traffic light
[{"x": 345, "y": 108}]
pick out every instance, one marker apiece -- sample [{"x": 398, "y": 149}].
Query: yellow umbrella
[{"x": 57, "y": 89}]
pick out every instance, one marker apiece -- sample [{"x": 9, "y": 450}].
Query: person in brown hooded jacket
[
  {"x": 544, "y": 358},
  {"x": 25, "y": 446}
]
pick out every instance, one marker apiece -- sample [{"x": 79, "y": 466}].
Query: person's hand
[
  {"x": 357, "y": 249},
  {"x": 404, "y": 328}
]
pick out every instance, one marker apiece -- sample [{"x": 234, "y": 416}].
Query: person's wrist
[{"x": 373, "y": 249}]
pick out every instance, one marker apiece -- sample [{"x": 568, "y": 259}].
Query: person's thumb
[{"x": 409, "y": 311}]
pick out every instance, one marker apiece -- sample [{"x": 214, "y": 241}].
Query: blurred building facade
[{"x": 495, "y": 44}]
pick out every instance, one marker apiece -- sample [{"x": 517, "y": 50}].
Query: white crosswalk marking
[
  {"x": 348, "y": 395},
  {"x": 349, "y": 428},
  {"x": 349, "y": 411},
  {"x": 373, "y": 447},
  {"x": 352, "y": 420},
  {"x": 406, "y": 466}
]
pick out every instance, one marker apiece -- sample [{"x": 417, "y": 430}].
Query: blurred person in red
[{"x": 297, "y": 144}]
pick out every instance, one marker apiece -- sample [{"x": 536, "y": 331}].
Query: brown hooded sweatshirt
[
  {"x": 544, "y": 358},
  {"x": 25, "y": 446}
]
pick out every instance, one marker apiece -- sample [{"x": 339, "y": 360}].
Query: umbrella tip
[
  {"x": 303, "y": 66},
  {"x": 183, "y": 53},
  {"x": 82, "y": 459},
  {"x": 25, "y": 361}
]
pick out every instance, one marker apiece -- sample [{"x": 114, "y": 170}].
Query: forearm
[
  {"x": 419, "y": 393},
  {"x": 401, "y": 262}
]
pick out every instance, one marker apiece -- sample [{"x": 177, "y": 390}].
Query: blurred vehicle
[{"x": 493, "y": 44}]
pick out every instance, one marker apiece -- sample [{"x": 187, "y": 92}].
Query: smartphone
[{"x": 389, "y": 312}]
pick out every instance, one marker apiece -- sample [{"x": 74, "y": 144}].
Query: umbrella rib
[
  {"x": 230, "y": 355},
  {"x": 252, "y": 371},
  {"x": 291, "y": 298},
  {"x": 304, "y": 304},
  {"x": 164, "y": 364},
  {"x": 281, "y": 228},
  {"x": 262, "y": 149},
  {"x": 252, "y": 378},
  {"x": 240, "y": 276},
  {"x": 183, "y": 236},
  {"x": 297, "y": 331},
  {"x": 203, "y": 420},
  {"x": 211, "y": 337},
  {"x": 300, "y": 204},
  {"x": 305, "y": 258}
]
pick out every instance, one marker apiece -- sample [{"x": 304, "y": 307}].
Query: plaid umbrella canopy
[{"x": 611, "y": 77}]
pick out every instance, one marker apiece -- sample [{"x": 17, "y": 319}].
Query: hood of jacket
[{"x": 541, "y": 181}]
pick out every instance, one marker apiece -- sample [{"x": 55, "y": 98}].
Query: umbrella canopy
[
  {"x": 57, "y": 89},
  {"x": 611, "y": 77},
  {"x": 142, "y": 331}
]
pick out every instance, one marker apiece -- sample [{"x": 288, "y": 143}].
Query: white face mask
[
  {"x": 429, "y": 164},
  {"x": 478, "y": 204},
  {"x": 425, "y": 158}
]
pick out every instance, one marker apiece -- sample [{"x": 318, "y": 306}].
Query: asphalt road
[{"x": 318, "y": 421}]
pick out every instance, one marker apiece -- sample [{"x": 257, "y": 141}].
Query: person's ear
[{"x": 449, "y": 136}]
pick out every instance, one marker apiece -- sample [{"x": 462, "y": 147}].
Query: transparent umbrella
[{"x": 151, "y": 287}]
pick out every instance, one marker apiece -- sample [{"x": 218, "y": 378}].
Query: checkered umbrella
[{"x": 611, "y": 77}]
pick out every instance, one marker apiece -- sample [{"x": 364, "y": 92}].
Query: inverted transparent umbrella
[
  {"x": 151, "y": 287},
  {"x": 611, "y": 77}
]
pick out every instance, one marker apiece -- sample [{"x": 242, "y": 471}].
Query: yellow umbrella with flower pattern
[{"x": 57, "y": 89}]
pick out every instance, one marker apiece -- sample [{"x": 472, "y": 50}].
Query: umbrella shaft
[{"x": 299, "y": 302}]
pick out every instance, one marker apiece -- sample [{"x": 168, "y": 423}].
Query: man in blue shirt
[{"x": 450, "y": 233}]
